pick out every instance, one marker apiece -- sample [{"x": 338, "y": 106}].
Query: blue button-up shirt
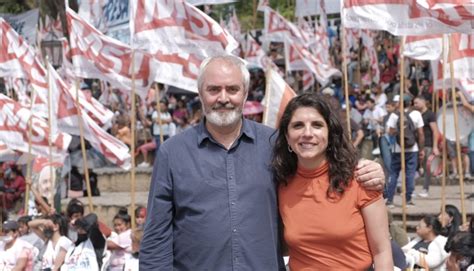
[{"x": 210, "y": 208}]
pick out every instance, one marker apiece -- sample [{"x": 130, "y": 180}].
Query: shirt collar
[{"x": 247, "y": 131}]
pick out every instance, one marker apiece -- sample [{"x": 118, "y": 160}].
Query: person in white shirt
[
  {"x": 427, "y": 249},
  {"x": 120, "y": 242},
  {"x": 412, "y": 154},
  {"x": 15, "y": 254},
  {"x": 373, "y": 118},
  {"x": 131, "y": 263},
  {"x": 165, "y": 120},
  {"x": 26, "y": 234},
  {"x": 53, "y": 231}
]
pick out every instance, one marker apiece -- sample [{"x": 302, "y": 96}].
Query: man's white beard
[{"x": 224, "y": 118}]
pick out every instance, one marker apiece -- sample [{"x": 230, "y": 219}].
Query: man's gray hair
[{"x": 234, "y": 60}]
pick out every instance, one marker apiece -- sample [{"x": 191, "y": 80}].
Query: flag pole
[
  {"x": 445, "y": 158},
  {"x": 83, "y": 149},
  {"x": 402, "y": 132},
  {"x": 346, "y": 83},
  {"x": 28, "y": 164},
  {"x": 254, "y": 16},
  {"x": 267, "y": 95},
  {"x": 456, "y": 130},
  {"x": 50, "y": 139},
  {"x": 158, "y": 109},
  {"x": 134, "y": 116}
]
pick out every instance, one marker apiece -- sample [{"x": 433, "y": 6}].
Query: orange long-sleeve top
[{"x": 324, "y": 233}]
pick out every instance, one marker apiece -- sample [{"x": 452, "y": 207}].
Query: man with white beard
[{"x": 212, "y": 203}]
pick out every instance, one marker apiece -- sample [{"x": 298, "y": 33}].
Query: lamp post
[{"x": 53, "y": 50}]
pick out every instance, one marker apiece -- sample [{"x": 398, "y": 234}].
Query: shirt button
[
  {"x": 232, "y": 203},
  {"x": 234, "y": 230},
  {"x": 230, "y": 177}
]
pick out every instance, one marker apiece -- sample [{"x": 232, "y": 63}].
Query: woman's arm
[
  {"x": 58, "y": 262},
  {"x": 376, "y": 224},
  {"x": 37, "y": 225}
]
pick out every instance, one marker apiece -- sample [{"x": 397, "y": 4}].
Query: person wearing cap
[{"x": 15, "y": 254}]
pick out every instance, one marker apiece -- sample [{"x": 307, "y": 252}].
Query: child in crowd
[
  {"x": 120, "y": 243},
  {"x": 140, "y": 216},
  {"x": 131, "y": 263}
]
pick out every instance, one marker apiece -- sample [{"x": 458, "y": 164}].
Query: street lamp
[{"x": 53, "y": 50}]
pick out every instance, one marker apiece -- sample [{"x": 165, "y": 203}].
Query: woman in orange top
[{"x": 330, "y": 221}]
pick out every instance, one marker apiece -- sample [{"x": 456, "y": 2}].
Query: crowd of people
[
  {"x": 71, "y": 241},
  {"x": 207, "y": 210}
]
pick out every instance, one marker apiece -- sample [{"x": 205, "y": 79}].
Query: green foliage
[{"x": 12, "y": 6}]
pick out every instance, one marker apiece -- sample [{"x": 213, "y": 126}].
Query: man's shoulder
[
  {"x": 261, "y": 131},
  {"x": 185, "y": 136}
]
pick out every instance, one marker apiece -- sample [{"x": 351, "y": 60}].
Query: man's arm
[
  {"x": 156, "y": 251},
  {"x": 434, "y": 129},
  {"x": 370, "y": 175}
]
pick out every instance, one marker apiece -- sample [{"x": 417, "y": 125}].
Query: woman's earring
[{"x": 289, "y": 149}]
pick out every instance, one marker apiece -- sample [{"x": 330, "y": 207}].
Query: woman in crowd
[
  {"x": 121, "y": 242},
  {"x": 427, "y": 249},
  {"x": 461, "y": 249},
  {"x": 53, "y": 231},
  {"x": 89, "y": 247},
  {"x": 450, "y": 220},
  {"x": 330, "y": 221}
]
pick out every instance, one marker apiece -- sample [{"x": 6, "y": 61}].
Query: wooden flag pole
[
  {"x": 134, "y": 114},
  {"x": 346, "y": 83},
  {"x": 85, "y": 167},
  {"x": 267, "y": 95},
  {"x": 445, "y": 153},
  {"x": 456, "y": 130},
  {"x": 28, "y": 164},
  {"x": 50, "y": 139},
  {"x": 158, "y": 110},
  {"x": 402, "y": 132},
  {"x": 254, "y": 16}
]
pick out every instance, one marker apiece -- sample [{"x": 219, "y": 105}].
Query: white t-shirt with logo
[
  {"x": 20, "y": 249},
  {"x": 52, "y": 252}
]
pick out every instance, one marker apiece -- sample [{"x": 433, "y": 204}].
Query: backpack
[{"x": 409, "y": 129}]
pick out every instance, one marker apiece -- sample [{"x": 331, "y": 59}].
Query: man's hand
[{"x": 370, "y": 175}]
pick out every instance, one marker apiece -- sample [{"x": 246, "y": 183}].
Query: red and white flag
[
  {"x": 462, "y": 55},
  {"x": 256, "y": 57},
  {"x": 277, "y": 28},
  {"x": 18, "y": 60},
  {"x": 410, "y": 17},
  {"x": 368, "y": 42},
  {"x": 95, "y": 55},
  {"x": 68, "y": 121},
  {"x": 14, "y": 131},
  {"x": 307, "y": 61},
  {"x": 179, "y": 36},
  {"x": 278, "y": 95},
  {"x": 308, "y": 80},
  {"x": 426, "y": 47},
  {"x": 322, "y": 39}
]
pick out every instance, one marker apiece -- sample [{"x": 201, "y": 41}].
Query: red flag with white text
[
  {"x": 409, "y": 17},
  {"x": 14, "y": 131},
  {"x": 179, "y": 36},
  {"x": 95, "y": 55}
]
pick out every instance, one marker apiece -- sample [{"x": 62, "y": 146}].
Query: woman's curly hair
[{"x": 340, "y": 153}]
